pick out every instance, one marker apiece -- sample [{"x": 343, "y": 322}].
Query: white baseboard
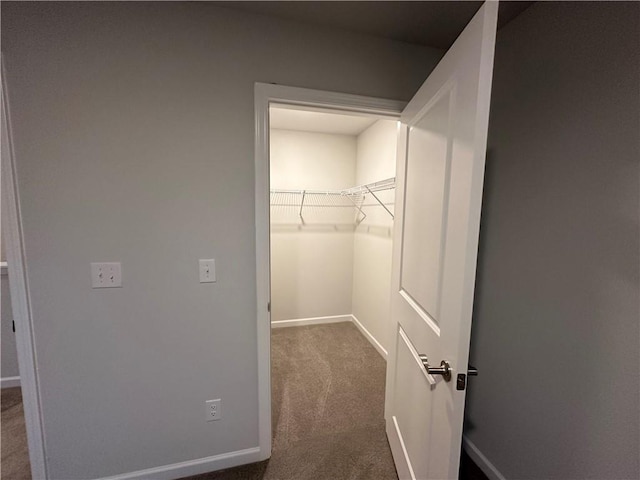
[
  {"x": 8, "y": 382},
  {"x": 193, "y": 467},
  {"x": 367, "y": 334},
  {"x": 481, "y": 461},
  {"x": 299, "y": 322}
]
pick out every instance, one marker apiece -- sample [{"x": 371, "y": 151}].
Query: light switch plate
[
  {"x": 207, "y": 270},
  {"x": 106, "y": 275}
]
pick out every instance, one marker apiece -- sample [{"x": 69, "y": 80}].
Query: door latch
[{"x": 461, "y": 379}]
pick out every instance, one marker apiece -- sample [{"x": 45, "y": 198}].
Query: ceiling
[
  {"x": 318, "y": 121},
  {"x": 431, "y": 23}
]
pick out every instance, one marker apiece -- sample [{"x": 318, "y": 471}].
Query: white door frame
[
  {"x": 18, "y": 286},
  {"x": 266, "y": 94}
]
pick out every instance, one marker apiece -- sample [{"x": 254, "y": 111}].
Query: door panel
[
  {"x": 440, "y": 170},
  {"x": 425, "y": 205}
]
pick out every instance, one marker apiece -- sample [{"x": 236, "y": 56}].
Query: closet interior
[
  {"x": 331, "y": 219},
  {"x": 332, "y": 180}
]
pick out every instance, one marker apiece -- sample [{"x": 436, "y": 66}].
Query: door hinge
[{"x": 269, "y": 307}]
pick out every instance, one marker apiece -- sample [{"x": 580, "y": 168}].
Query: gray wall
[
  {"x": 555, "y": 333},
  {"x": 9, "y": 360},
  {"x": 133, "y": 127}
]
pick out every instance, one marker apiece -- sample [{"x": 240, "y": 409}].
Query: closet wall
[
  {"x": 376, "y": 160},
  {"x": 311, "y": 265},
  {"x": 328, "y": 264}
]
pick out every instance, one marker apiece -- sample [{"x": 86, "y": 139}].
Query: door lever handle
[
  {"x": 472, "y": 371},
  {"x": 444, "y": 369}
]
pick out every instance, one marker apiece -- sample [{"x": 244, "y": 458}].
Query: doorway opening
[{"x": 332, "y": 189}]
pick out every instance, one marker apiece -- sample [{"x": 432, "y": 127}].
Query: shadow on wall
[
  {"x": 315, "y": 228},
  {"x": 375, "y": 231},
  {"x": 487, "y": 193}
]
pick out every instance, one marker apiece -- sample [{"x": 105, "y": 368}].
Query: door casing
[
  {"x": 265, "y": 95},
  {"x": 12, "y": 221}
]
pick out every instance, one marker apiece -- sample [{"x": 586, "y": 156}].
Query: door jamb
[
  {"x": 20, "y": 300},
  {"x": 264, "y": 95}
]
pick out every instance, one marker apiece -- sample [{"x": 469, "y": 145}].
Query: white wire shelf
[{"x": 316, "y": 203}]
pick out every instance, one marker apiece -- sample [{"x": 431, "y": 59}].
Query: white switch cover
[
  {"x": 106, "y": 275},
  {"x": 207, "y": 270},
  {"x": 214, "y": 411}
]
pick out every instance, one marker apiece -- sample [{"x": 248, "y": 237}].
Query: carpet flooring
[{"x": 14, "y": 453}]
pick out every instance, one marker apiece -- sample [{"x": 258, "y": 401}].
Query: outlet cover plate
[{"x": 214, "y": 410}]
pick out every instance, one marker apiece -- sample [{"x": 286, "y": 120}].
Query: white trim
[
  {"x": 283, "y": 95},
  {"x": 8, "y": 382},
  {"x": 20, "y": 302},
  {"x": 263, "y": 268},
  {"x": 404, "y": 468},
  {"x": 265, "y": 94},
  {"x": 367, "y": 334},
  {"x": 488, "y": 468},
  {"x": 193, "y": 467},
  {"x": 301, "y": 322}
]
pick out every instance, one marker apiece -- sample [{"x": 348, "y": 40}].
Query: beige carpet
[
  {"x": 328, "y": 409},
  {"x": 13, "y": 451}
]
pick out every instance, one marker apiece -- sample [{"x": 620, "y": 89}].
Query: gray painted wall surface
[
  {"x": 555, "y": 332},
  {"x": 9, "y": 366},
  {"x": 133, "y": 126}
]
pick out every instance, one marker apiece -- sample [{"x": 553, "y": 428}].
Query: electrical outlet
[
  {"x": 207, "y": 270},
  {"x": 214, "y": 409},
  {"x": 106, "y": 275}
]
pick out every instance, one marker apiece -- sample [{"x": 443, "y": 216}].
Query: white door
[{"x": 441, "y": 155}]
